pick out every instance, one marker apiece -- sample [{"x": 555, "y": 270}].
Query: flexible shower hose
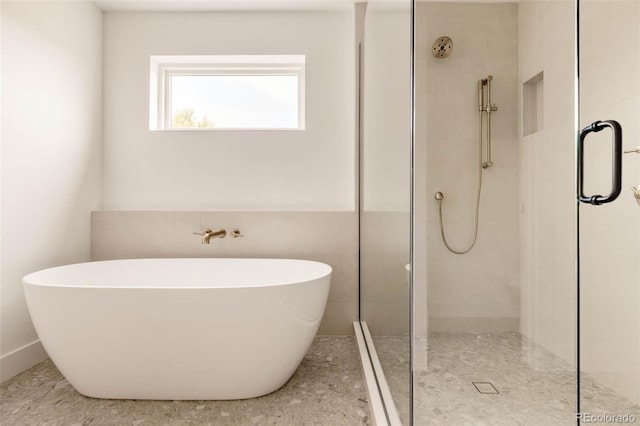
[{"x": 478, "y": 192}]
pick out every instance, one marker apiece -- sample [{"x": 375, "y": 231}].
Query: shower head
[{"x": 442, "y": 47}]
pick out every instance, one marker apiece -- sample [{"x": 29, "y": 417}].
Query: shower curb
[{"x": 383, "y": 409}]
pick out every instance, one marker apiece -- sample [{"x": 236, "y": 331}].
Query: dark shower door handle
[{"x": 616, "y": 178}]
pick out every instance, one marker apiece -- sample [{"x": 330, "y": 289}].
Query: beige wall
[
  {"x": 328, "y": 237},
  {"x": 547, "y": 180},
  {"x": 384, "y": 252},
  {"x": 385, "y": 168},
  {"x": 51, "y": 135},
  {"x": 310, "y": 170},
  {"x": 478, "y": 291}
]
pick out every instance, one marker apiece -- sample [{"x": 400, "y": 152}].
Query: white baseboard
[{"x": 21, "y": 359}]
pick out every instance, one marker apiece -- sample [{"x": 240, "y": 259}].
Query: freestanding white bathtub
[{"x": 178, "y": 328}]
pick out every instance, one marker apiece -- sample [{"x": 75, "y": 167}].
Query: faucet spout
[{"x": 208, "y": 234}]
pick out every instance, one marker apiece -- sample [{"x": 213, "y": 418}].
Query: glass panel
[
  {"x": 234, "y": 101},
  {"x": 610, "y": 233},
  {"x": 385, "y": 178},
  {"x": 495, "y": 182}
]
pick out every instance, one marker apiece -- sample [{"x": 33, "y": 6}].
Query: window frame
[{"x": 165, "y": 67}]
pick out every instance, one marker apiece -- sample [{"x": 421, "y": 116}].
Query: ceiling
[
  {"x": 253, "y": 5},
  {"x": 221, "y": 5}
]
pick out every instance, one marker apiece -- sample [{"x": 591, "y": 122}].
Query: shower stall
[{"x": 512, "y": 295}]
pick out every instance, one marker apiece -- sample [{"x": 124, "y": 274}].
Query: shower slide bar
[
  {"x": 487, "y": 108},
  {"x": 484, "y": 107}
]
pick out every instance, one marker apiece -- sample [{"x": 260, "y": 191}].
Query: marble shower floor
[
  {"x": 327, "y": 389},
  {"x": 536, "y": 387}
]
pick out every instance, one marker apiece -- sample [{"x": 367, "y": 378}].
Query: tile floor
[
  {"x": 536, "y": 387},
  {"x": 327, "y": 389}
]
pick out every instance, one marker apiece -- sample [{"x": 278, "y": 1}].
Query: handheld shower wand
[{"x": 485, "y": 108}]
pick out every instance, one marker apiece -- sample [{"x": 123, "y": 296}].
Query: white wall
[
  {"x": 51, "y": 134},
  {"x": 386, "y": 108},
  {"x": 477, "y": 291},
  {"x": 230, "y": 170}
]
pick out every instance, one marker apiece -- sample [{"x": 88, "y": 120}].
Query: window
[{"x": 227, "y": 92}]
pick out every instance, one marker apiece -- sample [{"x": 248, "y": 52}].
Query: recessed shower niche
[{"x": 532, "y": 104}]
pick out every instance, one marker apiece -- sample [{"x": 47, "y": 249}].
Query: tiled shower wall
[
  {"x": 609, "y": 234},
  {"x": 547, "y": 179},
  {"x": 385, "y": 161},
  {"x": 329, "y": 237},
  {"x": 478, "y": 291}
]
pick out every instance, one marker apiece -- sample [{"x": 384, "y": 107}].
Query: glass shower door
[
  {"x": 384, "y": 197},
  {"x": 609, "y": 232},
  {"x": 494, "y": 336}
]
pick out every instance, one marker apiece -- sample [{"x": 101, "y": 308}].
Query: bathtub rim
[{"x": 29, "y": 278}]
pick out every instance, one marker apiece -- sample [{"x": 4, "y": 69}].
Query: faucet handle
[
  {"x": 236, "y": 233},
  {"x": 206, "y": 231},
  {"x": 636, "y": 150},
  {"x": 636, "y": 193}
]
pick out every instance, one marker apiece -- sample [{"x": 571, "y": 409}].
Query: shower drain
[{"x": 485, "y": 387}]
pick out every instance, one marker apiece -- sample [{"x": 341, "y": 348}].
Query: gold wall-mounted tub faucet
[{"x": 208, "y": 234}]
